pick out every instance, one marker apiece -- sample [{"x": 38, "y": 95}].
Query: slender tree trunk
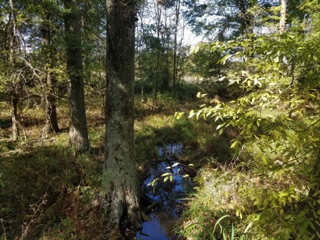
[
  {"x": 158, "y": 71},
  {"x": 175, "y": 49},
  {"x": 119, "y": 175},
  {"x": 165, "y": 64},
  {"x": 282, "y": 24},
  {"x": 14, "y": 97},
  {"x": 51, "y": 106},
  {"x": 78, "y": 132},
  {"x": 51, "y": 124},
  {"x": 14, "y": 117}
]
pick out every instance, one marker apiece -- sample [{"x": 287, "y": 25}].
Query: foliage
[
  {"x": 160, "y": 53},
  {"x": 204, "y": 60},
  {"x": 276, "y": 118},
  {"x": 216, "y": 198},
  {"x": 223, "y": 20}
]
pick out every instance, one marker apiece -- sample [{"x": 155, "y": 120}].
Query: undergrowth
[{"x": 48, "y": 193}]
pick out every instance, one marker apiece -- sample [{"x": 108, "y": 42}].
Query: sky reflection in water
[{"x": 167, "y": 194}]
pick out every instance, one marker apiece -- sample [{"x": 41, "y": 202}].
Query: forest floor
[{"x": 48, "y": 193}]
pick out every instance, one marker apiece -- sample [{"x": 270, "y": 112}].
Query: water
[{"x": 169, "y": 195}]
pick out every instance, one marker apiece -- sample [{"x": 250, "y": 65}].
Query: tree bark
[
  {"x": 119, "y": 175},
  {"x": 175, "y": 47},
  {"x": 14, "y": 91},
  {"x": 14, "y": 116},
  {"x": 282, "y": 24},
  {"x": 78, "y": 132},
  {"x": 51, "y": 124},
  {"x": 158, "y": 71}
]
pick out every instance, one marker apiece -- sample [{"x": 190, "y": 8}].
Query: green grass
[{"x": 216, "y": 197}]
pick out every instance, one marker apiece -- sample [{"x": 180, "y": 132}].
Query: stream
[{"x": 168, "y": 195}]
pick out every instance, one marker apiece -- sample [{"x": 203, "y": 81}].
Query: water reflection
[{"x": 167, "y": 194}]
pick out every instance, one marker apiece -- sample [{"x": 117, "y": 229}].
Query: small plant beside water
[
  {"x": 221, "y": 231},
  {"x": 211, "y": 212}
]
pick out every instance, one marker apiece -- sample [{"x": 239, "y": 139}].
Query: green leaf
[
  {"x": 224, "y": 59},
  {"x": 235, "y": 143},
  {"x": 178, "y": 115},
  {"x": 175, "y": 164},
  {"x": 201, "y": 95},
  {"x": 191, "y": 114},
  {"x": 165, "y": 174},
  {"x": 198, "y": 114},
  {"x": 220, "y": 126}
]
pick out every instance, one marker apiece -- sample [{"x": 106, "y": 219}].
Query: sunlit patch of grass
[
  {"x": 97, "y": 136},
  {"x": 217, "y": 196},
  {"x": 62, "y": 139},
  {"x": 163, "y": 128}
]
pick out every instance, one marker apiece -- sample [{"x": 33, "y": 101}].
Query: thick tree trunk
[
  {"x": 119, "y": 176},
  {"x": 78, "y": 132}
]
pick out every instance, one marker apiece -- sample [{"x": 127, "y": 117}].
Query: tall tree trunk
[
  {"x": 14, "y": 96},
  {"x": 78, "y": 132},
  {"x": 165, "y": 63},
  {"x": 158, "y": 70},
  {"x": 119, "y": 175},
  {"x": 175, "y": 48},
  {"x": 282, "y": 24},
  {"x": 51, "y": 124},
  {"x": 51, "y": 106}
]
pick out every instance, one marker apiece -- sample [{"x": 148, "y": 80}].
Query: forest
[{"x": 160, "y": 119}]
